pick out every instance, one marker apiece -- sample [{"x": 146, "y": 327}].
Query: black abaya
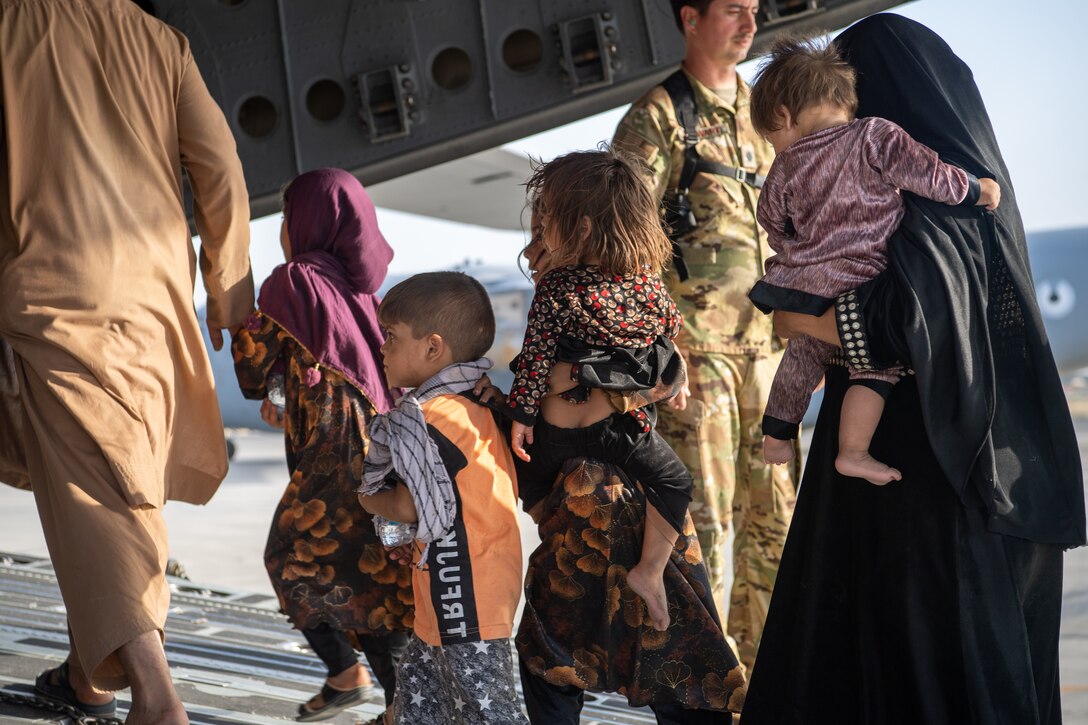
[
  {"x": 936, "y": 599},
  {"x": 894, "y": 604},
  {"x": 963, "y": 301}
]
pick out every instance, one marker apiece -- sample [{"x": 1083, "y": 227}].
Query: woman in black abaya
[{"x": 936, "y": 599}]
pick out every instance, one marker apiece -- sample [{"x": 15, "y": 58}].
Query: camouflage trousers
[{"x": 719, "y": 438}]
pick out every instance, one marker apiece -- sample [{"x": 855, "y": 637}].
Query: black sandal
[
  {"x": 62, "y": 693},
  {"x": 336, "y": 701}
]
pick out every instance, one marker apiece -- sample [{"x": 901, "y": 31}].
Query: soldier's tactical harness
[{"x": 678, "y": 214}]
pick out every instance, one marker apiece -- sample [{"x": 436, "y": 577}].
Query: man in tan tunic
[{"x": 109, "y": 404}]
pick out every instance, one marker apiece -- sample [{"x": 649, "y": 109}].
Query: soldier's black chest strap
[{"x": 683, "y": 100}]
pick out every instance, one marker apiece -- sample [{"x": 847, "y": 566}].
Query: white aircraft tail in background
[{"x": 1059, "y": 265}]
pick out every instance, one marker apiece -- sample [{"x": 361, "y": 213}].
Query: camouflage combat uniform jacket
[
  {"x": 722, "y": 254},
  {"x": 730, "y": 347}
]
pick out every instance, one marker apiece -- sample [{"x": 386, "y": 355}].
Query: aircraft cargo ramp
[{"x": 234, "y": 658}]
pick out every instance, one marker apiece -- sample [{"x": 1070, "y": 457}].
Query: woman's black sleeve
[{"x": 871, "y": 323}]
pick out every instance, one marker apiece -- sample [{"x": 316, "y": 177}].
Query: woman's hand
[
  {"x": 989, "y": 194},
  {"x": 272, "y": 414},
  {"x": 521, "y": 435},
  {"x": 794, "y": 324},
  {"x": 487, "y": 392},
  {"x": 786, "y": 324},
  {"x": 680, "y": 400}
]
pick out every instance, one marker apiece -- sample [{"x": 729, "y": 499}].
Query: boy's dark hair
[
  {"x": 800, "y": 72},
  {"x": 611, "y": 189},
  {"x": 452, "y": 304},
  {"x": 699, "y": 5}
]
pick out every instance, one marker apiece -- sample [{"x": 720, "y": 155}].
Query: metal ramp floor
[{"x": 234, "y": 658}]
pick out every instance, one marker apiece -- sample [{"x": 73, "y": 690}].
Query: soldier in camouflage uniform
[{"x": 730, "y": 348}]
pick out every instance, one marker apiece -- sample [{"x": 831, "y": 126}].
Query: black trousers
[
  {"x": 549, "y": 704},
  {"x": 382, "y": 653},
  {"x": 618, "y": 439}
]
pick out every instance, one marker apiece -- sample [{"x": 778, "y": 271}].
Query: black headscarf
[{"x": 957, "y": 301}]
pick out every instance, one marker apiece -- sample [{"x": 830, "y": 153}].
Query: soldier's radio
[
  {"x": 679, "y": 217},
  {"x": 679, "y": 221}
]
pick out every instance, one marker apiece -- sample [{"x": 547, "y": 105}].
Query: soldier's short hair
[
  {"x": 611, "y": 189},
  {"x": 800, "y": 72},
  {"x": 451, "y": 304},
  {"x": 699, "y": 5}
]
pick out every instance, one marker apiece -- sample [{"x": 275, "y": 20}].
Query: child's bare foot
[
  {"x": 776, "y": 450},
  {"x": 859, "y": 464},
  {"x": 651, "y": 588}
]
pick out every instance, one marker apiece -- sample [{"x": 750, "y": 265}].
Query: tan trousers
[
  {"x": 109, "y": 559},
  {"x": 719, "y": 439}
]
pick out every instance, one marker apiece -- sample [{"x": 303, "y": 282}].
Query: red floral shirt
[{"x": 599, "y": 309}]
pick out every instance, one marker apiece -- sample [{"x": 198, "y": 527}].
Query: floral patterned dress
[
  {"x": 323, "y": 556},
  {"x": 582, "y": 624}
]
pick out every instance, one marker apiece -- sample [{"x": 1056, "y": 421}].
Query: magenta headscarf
[{"x": 324, "y": 297}]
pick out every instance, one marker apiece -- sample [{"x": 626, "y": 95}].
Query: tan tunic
[
  {"x": 107, "y": 402},
  {"x": 103, "y": 105}
]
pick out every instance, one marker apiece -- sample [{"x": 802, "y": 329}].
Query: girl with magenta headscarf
[
  {"x": 935, "y": 599},
  {"x": 311, "y": 353}
]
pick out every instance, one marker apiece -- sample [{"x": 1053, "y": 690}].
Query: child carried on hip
[
  {"x": 831, "y": 201},
  {"x": 601, "y": 322}
]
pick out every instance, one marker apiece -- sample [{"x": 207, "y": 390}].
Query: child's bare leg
[
  {"x": 647, "y": 577},
  {"x": 861, "y": 411},
  {"x": 776, "y": 450}
]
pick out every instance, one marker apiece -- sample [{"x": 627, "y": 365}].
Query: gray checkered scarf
[{"x": 399, "y": 442}]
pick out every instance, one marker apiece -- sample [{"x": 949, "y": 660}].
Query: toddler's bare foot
[
  {"x": 651, "y": 588},
  {"x": 859, "y": 464},
  {"x": 776, "y": 450}
]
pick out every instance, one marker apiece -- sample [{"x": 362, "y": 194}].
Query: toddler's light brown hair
[{"x": 800, "y": 72}]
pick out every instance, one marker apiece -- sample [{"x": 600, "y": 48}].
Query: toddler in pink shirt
[{"x": 830, "y": 203}]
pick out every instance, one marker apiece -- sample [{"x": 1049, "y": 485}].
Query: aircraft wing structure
[
  {"x": 486, "y": 189},
  {"x": 384, "y": 88}
]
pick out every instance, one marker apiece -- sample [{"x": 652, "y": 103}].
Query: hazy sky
[{"x": 1029, "y": 61}]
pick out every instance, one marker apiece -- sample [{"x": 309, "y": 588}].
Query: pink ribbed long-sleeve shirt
[{"x": 831, "y": 201}]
